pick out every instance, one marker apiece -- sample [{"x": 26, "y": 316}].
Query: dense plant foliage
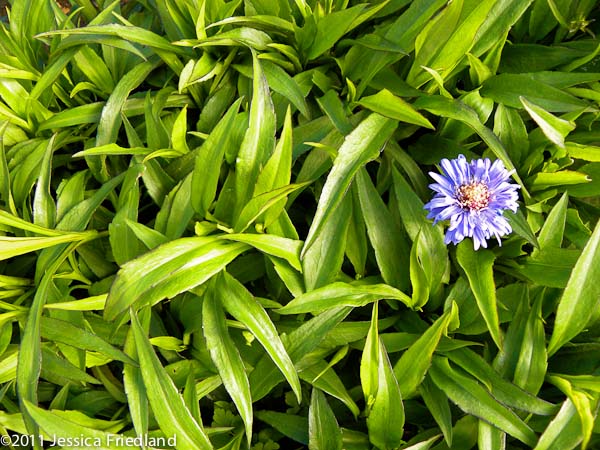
[{"x": 212, "y": 224}]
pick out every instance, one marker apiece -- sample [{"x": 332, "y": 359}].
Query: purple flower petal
[{"x": 472, "y": 196}]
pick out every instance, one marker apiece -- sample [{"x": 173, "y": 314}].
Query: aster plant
[{"x": 473, "y": 196}]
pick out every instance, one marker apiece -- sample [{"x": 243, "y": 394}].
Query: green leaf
[
  {"x": 65, "y": 332},
  {"x": 564, "y": 430},
  {"x": 77, "y": 218},
  {"x": 333, "y": 107},
  {"x": 533, "y": 359},
  {"x": 226, "y": 357},
  {"x": 359, "y": 147},
  {"x": 323, "y": 430},
  {"x": 284, "y": 248},
  {"x": 502, "y": 390},
  {"x": 342, "y": 294},
  {"x": 44, "y": 208},
  {"x": 167, "y": 404},
  {"x": 278, "y": 170},
  {"x": 110, "y": 120},
  {"x": 123, "y": 241},
  {"x": 301, "y": 341},
  {"x": 14, "y": 246},
  {"x": 499, "y": 21},
  {"x": 390, "y": 247},
  {"x": 551, "y": 234},
  {"x": 209, "y": 158},
  {"x": 55, "y": 367},
  {"x": 432, "y": 252},
  {"x": 519, "y": 224},
  {"x": 112, "y": 149},
  {"x": 508, "y": 88},
  {"x": 322, "y": 262},
  {"x": 285, "y": 85},
  {"x": 13, "y": 221},
  {"x": 30, "y": 355},
  {"x": 386, "y": 418},
  {"x": 585, "y": 152},
  {"x": 490, "y": 437},
  {"x": 324, "y": 378},
  {"x": 387, "y": 104},
  {"x": 369, "y": 361},
  {"x": 128, "y": 33},
  {"x": 331, "y": 28},
  {"x": 475, "y": 400},
  {"x": 439, "y": 407},
  {"x": 244, "y": 307},
  {"x": 510, "y": 128},
  {"x": 478, "y": 266},
  {"x": 243, "y": 36},
  {"x": 550, "y": 267},
  {"x": 448, "y": 41},
  {"x": 579, "y": 303},
  {"x": 133, "y": 384},
  {"x": 56, "y": 425},
  {"x": 262, "y": 204},
  {"x": 583, "y": 405},
  {"x": 259, "y": 141},
  {"x": 293, "y": 426},
  {"x": 168, "y": 270},
  {"x": 554, "y": 128},
  {"x": 176, "y": 211},
  {"x": 151, "y": 238},
  {"x": 543, "y": 180},
  {"x": 414, "y": 363}
]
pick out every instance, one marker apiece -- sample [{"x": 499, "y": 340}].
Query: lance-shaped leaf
[
  {"x": 30, "y": 355},
  {"x": 478, "y": 267},
  {"x": 502, "y": 390},
  {"x": 579, "y": 303},
  {"x": 555, "y": 128},
  {"x": 288, "y": 249},
  {"x": 15, "y": 246},
  {"x": 342, "y": 294},
  {"x": 167, "y": 404},
  {"x": 414, "y": 363},
  {"x": 369, "y": 361},
  {"x": 323, "y": 430},
  {"x": 57, "y": 330},
  {"x": 472, "y": 398},
  {"x": 243, "y": 306},
  {"x": 57, "y": 425},
  {"x": 133, "y": 382},
  {"x": 168, "y": 270},
  {"x": 262, "y": 203},
  {"x": 208, "y": 162},
  {"x": 360, "y": 146},
  {"x": 301, "y": 341},
  {"x": 387, "y": 104},
  {"x": 386, "y": 419},
  {"x": 226, "y": 357},
  {"x": 322, "y": 262},
  {"x": 44, "y": 208},
  {"x": 259, "y": 140},
  {"x": 389, "y": 245},
  {"x": 564, "y": 431}
]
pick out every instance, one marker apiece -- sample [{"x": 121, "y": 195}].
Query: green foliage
[{"x": 212, "y": 225}]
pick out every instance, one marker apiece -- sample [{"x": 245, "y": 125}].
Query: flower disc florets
[{"x": 473, "y": 196}]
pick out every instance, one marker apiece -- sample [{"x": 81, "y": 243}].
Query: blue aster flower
[{"x": 473, "y": 197}]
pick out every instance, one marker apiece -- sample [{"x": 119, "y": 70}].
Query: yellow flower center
[{"x": 474, "y": 196}]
